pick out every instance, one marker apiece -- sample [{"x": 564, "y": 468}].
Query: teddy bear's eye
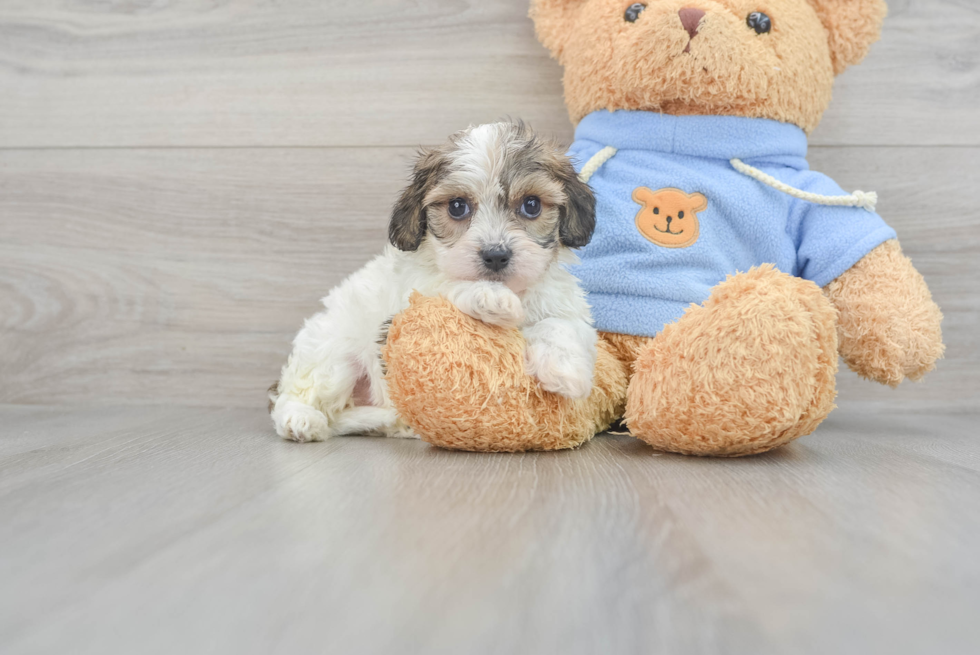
[
  {"x": 633, "y": 11},
  {"x": 656, "y": 210},
  {"x": 680, "y": 214},
  {"x": 758, "y": 21}
]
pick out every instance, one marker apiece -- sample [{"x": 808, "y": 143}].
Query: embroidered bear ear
[
  {"x": 643, "y": 196},
  {"x": 554, "y": 21},
  {"x": 852, "y": 26}
]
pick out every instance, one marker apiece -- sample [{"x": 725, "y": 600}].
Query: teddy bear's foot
[
  {"x": 749, "y": 370},
  {"x": 461, "y": 383}
]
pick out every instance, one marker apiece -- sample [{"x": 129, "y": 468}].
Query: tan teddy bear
[{"x": 725, "y": 276}]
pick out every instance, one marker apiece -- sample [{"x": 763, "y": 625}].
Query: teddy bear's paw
[
  {"x": 300, "y": 422},
  {"x": 560, "y": 370},
  {"x": 463, "y": 384},
  {"x": 490, "y": 302},
  {"x": 749, "y": 370},
  {"x": 889, "y": 327}
]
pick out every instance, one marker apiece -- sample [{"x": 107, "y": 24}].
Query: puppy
[{"x": 487, "y": 222}]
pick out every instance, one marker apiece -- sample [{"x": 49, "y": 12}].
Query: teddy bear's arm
[{"x": 888, "y": 326}]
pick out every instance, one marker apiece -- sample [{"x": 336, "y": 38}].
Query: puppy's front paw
[
  {"x": 559, "y": 371},
  {"x": 491, "y": 303},
  {"x": 299, "y": 422}
]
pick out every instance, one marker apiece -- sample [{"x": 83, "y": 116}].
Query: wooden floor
[
  {"x": 163, "y": 530},
  {"x": 180, "y": 182}
]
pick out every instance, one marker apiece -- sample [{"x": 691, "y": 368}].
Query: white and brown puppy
[{"x": 487, "y": 222}]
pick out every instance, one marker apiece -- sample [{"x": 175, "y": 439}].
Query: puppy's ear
[
  {"x": 852, "y": 26},
  {"x": 407, "y": 226},
  {"x": 554, "y": 21},
  {"x": 577, "y": 218}
]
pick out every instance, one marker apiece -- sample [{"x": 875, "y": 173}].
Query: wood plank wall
[{"x": 181, "y": 181}]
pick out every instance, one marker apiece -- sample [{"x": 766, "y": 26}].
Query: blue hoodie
[{"x": 636, "y": 286}]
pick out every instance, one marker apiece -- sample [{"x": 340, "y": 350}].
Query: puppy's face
[{"x": 495, "y": 203}]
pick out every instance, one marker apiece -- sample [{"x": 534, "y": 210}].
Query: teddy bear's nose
[{"x": 690, "y": 18}]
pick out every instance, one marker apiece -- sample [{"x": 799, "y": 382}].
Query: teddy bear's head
[{"x": 756, "y": 58}]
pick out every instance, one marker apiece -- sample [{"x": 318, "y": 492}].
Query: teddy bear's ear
[
  {"x": 553, "y": 21},
  {"x": 852, "y": 25}
]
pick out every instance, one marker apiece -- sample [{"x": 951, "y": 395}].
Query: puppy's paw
[
  {"x": 401, "y": 430},
  {"x": 299, "y": 422},
  {"x": 490, "y": 302},
  {"x": 560, "y": 371}
]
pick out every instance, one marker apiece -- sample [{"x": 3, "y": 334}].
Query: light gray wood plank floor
[{"x": 164, "y": 530}]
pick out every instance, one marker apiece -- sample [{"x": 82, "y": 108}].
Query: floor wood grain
[
  {"x": 387, "y": 73},
  {"x": 161, "y": 530}
]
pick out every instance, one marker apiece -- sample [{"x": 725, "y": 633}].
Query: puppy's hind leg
[
  {"x": 373, "y": 421},
  {"x": 308, "y": 399},
  {"x": 298, "y": 421}
]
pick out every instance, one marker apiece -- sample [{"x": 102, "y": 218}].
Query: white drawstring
[
  {"x": 866, "y": 200},
  {"x": 595, "y": 162}
]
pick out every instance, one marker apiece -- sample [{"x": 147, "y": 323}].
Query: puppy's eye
[
  {"x": 459, "y": 208},
  {"x": 758, "y": 21},
  {"x": 531, "y": 207},
  {"x": 633, "y": 12}
]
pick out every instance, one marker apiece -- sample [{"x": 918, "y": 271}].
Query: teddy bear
[{"x": 725, "y": 277}]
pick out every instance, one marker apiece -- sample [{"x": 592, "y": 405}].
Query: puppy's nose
[
  {"x": 497, "y": 258},
  {"x": 690, "y": 18}
]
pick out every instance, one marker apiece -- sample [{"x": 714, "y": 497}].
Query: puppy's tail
[{"x": 273, "y": 395}]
